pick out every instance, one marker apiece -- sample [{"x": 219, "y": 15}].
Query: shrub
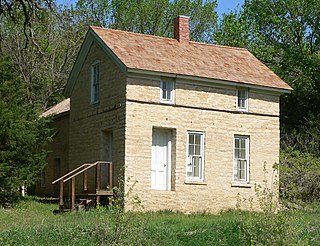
[{"x": 299, "y": 177}]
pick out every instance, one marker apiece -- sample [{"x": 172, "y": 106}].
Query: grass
[{"x": 33, "y": 223}]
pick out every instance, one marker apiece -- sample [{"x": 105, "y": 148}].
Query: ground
[{"x": 32, "y": 223}]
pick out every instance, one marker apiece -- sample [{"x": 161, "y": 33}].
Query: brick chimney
[{"x": 181, "y": 29}]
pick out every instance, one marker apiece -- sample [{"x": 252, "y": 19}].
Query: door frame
[{"x": 169, "y": 153}]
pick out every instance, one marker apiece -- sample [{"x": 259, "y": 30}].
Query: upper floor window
[
  {"x": 167, "y": 91},
  {"x": 241, "y": 159},
  {"x": 95, "y": 82},
  {"x": 195, "y": 156},
  {"x": 242, "y": 99}
]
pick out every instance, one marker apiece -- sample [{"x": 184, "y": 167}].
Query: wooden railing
[{"x": 84, "y": 169}]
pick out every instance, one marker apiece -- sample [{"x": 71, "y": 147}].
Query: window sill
[
  {"x": 166, "y": 102},
  {"x": 195, "y": 183},
  {"x": 242, "y": 110},
  {"x": 240, "y": 184}
]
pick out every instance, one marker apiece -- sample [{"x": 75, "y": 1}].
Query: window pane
[
  {"x": 242, "y": 154},
  {"x": 197, "y": 150},
  {"x": 196, "y": 166},
  {"x": 169, "y": 85},
  {"x": 197, "y": 139},
  {"x": 243, "y": 143},
  {"x": 168, "y": 95},
  {"x": 191, "y": 138},
  {"x": 241, "y": 103},
  {"x": 164, "y": 92},
  {"x": 191, "y": 149},
  {"x": 242, "y": 174},
  {"x": 236, "y": 153},
  {"x": 237, "y": 145},
  {"x": 164, "y": 85}
]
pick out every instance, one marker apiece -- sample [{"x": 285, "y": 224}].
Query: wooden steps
[
  {"x": 100, "y": 192},
  {"x": 87, "y": 196}
]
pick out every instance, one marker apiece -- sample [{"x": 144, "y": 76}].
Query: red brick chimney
[{"x": 181, "y": 29}]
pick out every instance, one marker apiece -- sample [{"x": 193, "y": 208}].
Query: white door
[{"x": 160, "y": 160}]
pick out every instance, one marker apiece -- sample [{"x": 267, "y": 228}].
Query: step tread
[{"x": 97, "y": 192}]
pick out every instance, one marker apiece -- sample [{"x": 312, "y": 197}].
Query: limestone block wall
[
  {"x": 57, "y": 160},
  {"x": 188, "y": 93},
  {"x": 216, "y": 192},
  {"x": 89, "y": 122}
]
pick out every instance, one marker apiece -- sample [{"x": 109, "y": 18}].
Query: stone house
[{"x": 189, "y": 126}]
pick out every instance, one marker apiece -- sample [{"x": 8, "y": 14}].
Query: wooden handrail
[
  {"x": 72, "y": 174},
  {"x": 91, "y": 165},
  {"x": 84, "y": 169},
  {"x": 85, "y": 164}
]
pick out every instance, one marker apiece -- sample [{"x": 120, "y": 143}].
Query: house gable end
[{"x": 90, "y": 38}]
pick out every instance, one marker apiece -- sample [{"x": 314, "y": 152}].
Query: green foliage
[
  {"x": 300, "y": 177},
  {"x": 45, "y": 62},
  {"x": 304, "y": 139},
  {"x": 27, "y": 11},
  {"x": 22, "y": 135},
  {"x": 150, "y": 17},
  {"x": 285, "y": 36}
]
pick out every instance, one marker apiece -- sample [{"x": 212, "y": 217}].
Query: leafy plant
[
  {"x": 299, "y": 177},
  {"x": 23, "y": 136}
]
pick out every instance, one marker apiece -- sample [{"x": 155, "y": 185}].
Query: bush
[{"x": 299, "y": 177}]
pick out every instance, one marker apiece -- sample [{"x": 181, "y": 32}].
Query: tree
[
  {"x": 285, "y": 36},
  {"x": 150, "y": 17},
  {"x": 292, "y": 27},
  {"x": 27, "y": 10},
  {"x": 23, "y": 135},
  {"x": 44, "y": 67}
]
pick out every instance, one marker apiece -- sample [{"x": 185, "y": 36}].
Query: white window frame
[
  {"x": 95, "y": 83},
  {"x": 171, "y": 93},
  {"x": 244, "y": 107},
  {"x": 246, "y": 179},
  {"x": 189, "y": 159}
]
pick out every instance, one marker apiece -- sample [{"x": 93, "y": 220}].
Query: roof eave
[{"x": 209, "y": 80}]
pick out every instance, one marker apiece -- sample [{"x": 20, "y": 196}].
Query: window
[
  {"x": 242, "y": 99},
  {"x": 43, "y": 177},
  {"x": 241, "y": 159},
  {"x": 95, "y": 82},
  {"x": 167, "y": 91},
  {"x": 195, "y": 153}
]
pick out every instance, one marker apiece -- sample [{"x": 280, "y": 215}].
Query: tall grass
[{"x": 33, "y": 223}]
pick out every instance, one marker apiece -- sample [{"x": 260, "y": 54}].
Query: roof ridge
[
  {"x": 135, "y": 33},
  {"x": 171, "y": 39}
]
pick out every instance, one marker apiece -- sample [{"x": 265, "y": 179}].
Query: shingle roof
[
  {"x": 152, "y": 53},
  {"x": 59, "y": 108}
]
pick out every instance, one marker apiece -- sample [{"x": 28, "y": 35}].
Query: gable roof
[
  {"x": 134, "y": 51},
  {"x": 61, "y": 107}
]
